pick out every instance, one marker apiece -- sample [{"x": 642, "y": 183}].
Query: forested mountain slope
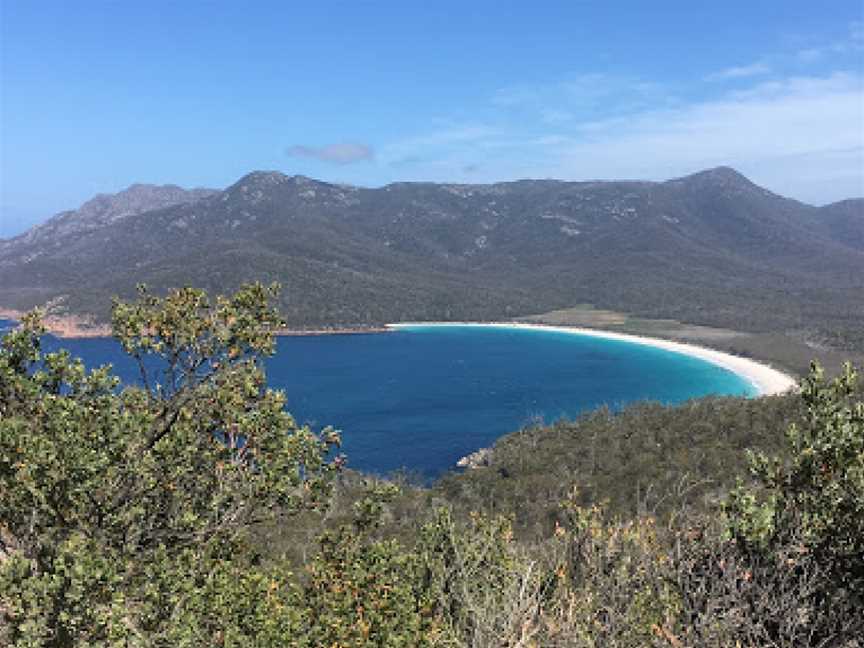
[{"x": 709, "y": 248}]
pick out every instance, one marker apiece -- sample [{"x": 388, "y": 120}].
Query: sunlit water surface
[{"x": 420, "y": 398}]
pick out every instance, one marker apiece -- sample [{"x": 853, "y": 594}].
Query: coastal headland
[
  {"x": 78, "y": 327},
  {"x": 65, "y": 326}
]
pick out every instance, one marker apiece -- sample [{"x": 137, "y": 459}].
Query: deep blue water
[{"x": 421, "y": 398}]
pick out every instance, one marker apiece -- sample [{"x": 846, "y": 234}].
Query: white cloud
[
  {"x": 800, "y": 125},
  {"x": 420, "y": 148},
  {"x": 810, "y": 55},
  {"x": 344, "y": 153},
  {"x": 799, "y": 136},
  {"x": 851, "y": 44},
  {"x": 564, "y": 101},
  {"x": 554, "y": 116},
  {"x": 741, "y": 72}
]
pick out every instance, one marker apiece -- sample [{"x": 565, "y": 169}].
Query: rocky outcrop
[{"x": 479, "y": 459}]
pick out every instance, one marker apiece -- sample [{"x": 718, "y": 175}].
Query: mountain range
[{"x": 709, "y": 248}]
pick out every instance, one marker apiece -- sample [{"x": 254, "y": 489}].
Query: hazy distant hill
[
  {"x": 708, "y": 248},
  {"x": 844, "y": 222},
  {"x": 104, "y": 209}
]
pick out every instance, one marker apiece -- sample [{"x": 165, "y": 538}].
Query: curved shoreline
[{"x": 766, "y": 380}]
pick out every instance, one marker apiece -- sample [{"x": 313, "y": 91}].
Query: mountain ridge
[
  {"x": 710, "y": 248},
  {"x": 103, "y": 209}
]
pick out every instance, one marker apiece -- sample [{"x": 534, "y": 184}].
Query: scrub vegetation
[{"x": 191, "y": 510}]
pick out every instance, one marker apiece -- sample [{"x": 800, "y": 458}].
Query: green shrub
[{"x": 117, "y": 507}]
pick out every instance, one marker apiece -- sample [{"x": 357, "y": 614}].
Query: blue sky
[{"x": 95, "y": 96}]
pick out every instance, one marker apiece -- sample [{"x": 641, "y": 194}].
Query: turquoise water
[{"x": 422, "y": 397}]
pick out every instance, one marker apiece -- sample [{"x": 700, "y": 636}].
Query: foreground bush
[
  {"x": 128, "y": 517},
  {"x": 121, "y": 507}
]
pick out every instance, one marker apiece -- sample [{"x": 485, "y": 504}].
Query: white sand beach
[{"x": 766, "y": 380}]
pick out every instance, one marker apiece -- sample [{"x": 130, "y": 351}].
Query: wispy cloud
[
  {"x": 554, "y": 116},
  {"x": 344, "y": 153},
  {"x": 740, "y": 72},
  {"x": 851, "y": 44},
  {"x": 811, "y": 54},
  {"x": 435, "y": 143},
  {"x": 571, "y": 99},
  {"x": 800, "y": 134},
  {"x": 794, "y": 135}
]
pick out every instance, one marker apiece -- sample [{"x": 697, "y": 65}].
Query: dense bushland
[{"x": 191, "y": 510}]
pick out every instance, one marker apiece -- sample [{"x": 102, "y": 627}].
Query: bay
[{"x": 421, "y": 397}]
